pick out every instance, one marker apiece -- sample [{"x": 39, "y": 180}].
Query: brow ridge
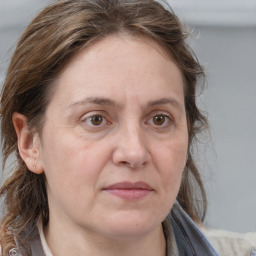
[{"x": 95, "y": 100}]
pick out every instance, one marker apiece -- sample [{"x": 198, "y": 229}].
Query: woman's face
[{"x": 114, "y": 143}]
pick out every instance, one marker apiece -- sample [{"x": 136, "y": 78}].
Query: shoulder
[{"x": 232, "y": 243}]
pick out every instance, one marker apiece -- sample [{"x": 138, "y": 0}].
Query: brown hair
[{"x": 48, "y": 43}]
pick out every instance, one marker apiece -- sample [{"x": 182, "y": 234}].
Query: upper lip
[{"x": 130, "y": 185}]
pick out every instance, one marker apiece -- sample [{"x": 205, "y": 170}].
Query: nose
[{"x": 131, "y": 149}]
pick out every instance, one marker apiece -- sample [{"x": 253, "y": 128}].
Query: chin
[{"x": 131, "y": 225}]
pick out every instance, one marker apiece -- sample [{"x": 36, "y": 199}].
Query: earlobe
[{"x": 28, "y": 143}]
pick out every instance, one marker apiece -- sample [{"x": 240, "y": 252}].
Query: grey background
[{"x": 224, "y": 38}]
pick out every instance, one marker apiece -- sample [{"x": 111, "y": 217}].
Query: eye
[
  {"x": 160, "y": 121},
  {"x": 95, "y": 120}
]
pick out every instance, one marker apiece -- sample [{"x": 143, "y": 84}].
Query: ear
[{"x": 28, "y": 143}]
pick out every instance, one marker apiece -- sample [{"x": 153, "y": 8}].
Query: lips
[{"x": 129, "y": 190}]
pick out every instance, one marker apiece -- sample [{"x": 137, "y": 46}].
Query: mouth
[{"x": 129, "y": 190}]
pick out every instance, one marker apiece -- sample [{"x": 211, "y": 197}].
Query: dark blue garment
[{"x": 190, "y": 240}]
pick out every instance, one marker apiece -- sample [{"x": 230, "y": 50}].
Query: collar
[
  {"x": 190, "y": 240},
  {"x": 171, "y": 245},
  {"x": 45, "y": 247}
]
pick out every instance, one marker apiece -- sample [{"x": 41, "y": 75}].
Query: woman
[{"x": 99, "y": 107}]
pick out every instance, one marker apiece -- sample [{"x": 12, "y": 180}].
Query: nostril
[
  {"x": 123, "y": 163},
  {"x": 126, "y": 163}
]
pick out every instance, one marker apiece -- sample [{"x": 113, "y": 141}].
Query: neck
[{"x": 79, "y": 242}]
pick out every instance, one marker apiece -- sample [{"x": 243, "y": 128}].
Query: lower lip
[{"x": 129, "y": 194}]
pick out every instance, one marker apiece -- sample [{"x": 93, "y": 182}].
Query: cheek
[
  {"x": 171, "y": 160},
  {"x": 73, "y": 169},
  {"x": 70, "y": 161}
]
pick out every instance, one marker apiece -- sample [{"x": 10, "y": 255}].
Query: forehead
[{"x": 120, "y": 63}]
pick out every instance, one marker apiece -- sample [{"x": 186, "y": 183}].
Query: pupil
[
  {"x": 159, "y": 120},
  {"x": 96, "y": 120}
]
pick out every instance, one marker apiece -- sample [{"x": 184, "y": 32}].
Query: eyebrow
[
  {"x": 97, "y": 101},
  {"x": 164, "y": 101},
  {"x": 111, "y": 103}
]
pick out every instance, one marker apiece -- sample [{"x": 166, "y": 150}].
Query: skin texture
[{"x": 117, "y": 114}]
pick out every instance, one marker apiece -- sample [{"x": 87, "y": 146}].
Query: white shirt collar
[{"x": 46, "y": 249}]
